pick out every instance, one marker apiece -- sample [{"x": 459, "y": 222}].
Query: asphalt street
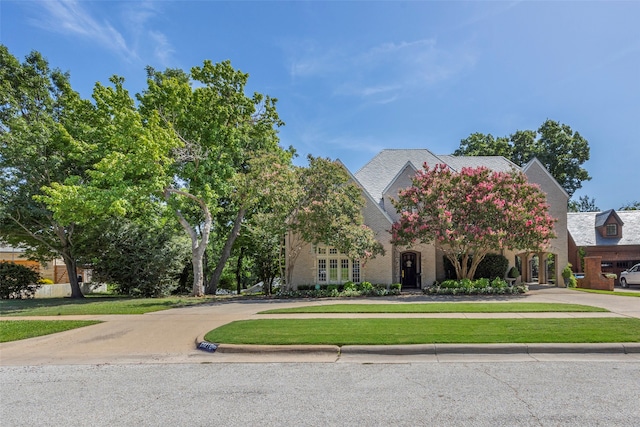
[{"x": 323, "y": 394}]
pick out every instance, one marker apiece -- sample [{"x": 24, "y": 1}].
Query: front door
[{"x": 410, "y": 269}]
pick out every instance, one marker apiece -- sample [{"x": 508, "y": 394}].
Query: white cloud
[
  {"x": 163, "y": 51},
  {"x": 75, "y": 18},
  {"x": 382, "y": 73},
  {"x": 70, "y": 17}
]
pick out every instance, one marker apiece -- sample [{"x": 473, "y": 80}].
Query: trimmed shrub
[
  {"x": 349, "y": 286},
  {"x": 365, "y": 287},
  {"x": 477, "y": 287},
  {"x": 493, "y": 265},
  {"x": 18, "y": 281},
  {"x": 348, "y": 289}
]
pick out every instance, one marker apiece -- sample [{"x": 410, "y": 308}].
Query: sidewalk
[{"x": 171, "y": 336}]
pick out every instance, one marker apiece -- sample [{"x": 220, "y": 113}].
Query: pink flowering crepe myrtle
[{"x": 474, "y": 212}]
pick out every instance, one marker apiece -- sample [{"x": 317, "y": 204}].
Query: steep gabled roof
[
  {"x": 582, "y": 227},
  {"x": 366, "y": 193},
  {"x": 538, "y": 164},
  {"x": 495, "y": 163},
  {"x": 408, "y": 166},
  {"x": 603, "y": 217},
  {"x": 378, "y": 173}
]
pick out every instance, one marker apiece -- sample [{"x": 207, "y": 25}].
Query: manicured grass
[
  {"x": 93, "y": 305},
  {"x": 12, "y": 330},
  {"x": 618, "y": 293},
  {"x": 426, "y": 331},
  {"x": 516, "y": 307}
]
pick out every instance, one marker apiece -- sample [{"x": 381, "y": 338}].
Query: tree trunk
[
  {"x": 184, "y": 276},
  {"x": 64, "y": 236},
  {"x": 197, "y": 248},
  {"x": 290, "y": 255},
  {"x": 269, "y": 286},
  {"x": 212, "y": 286},
  {"x": 239, "y": 271},
  {"x": 72, "y": 272},
  {"x": 475, "y": 262},
  {"x": 462, "y": 267},
  {"x": 198, "y": 279}
]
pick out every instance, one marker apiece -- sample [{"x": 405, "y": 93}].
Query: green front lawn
[
  {"x": 12, "y": 330},
  {"x": 93, "y": 305},
  {"x": 515, "y": 307},
  {"x": 426, "y": 331}
]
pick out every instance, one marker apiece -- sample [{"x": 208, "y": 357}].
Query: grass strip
[
  {"x": 13, "y": 330},
  {"x": 426, "y": 331},
  {"x": 618, "y": 293},
  {"x": 93, "y": 305},
  {"x": 517, "y": 307}
]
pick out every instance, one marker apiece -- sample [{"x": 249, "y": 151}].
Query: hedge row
[
  {"x": 475, "y": 287},
  {"x": 348, "y": 289}
]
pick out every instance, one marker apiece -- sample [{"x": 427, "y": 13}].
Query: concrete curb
[
  {"x": 332, "y": 350},
  {"x": 424, "y": 349},
  {"x": 202, "y": 344},
  {"x": 435, "y": 349}
]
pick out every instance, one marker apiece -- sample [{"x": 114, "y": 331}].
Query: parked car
[{"x": 630, "y": 276}]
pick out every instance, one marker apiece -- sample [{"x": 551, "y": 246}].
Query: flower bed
[
  {"x": 496, "y": 286},
  {"x": 348, "y": 289}
]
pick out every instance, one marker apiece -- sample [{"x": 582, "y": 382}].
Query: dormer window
[{"x": 609, "y": 225}]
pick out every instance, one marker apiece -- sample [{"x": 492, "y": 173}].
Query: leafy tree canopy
[
  {"x": 630, "y": 206},
  {"x": 326, "y": 208},
  {"x": 45, "y": 138},
  {"x": 583, "y": 204},
  {"x": 561, "y": 150}
]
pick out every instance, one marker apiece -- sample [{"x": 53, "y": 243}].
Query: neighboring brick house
[
  {"x": 54, "y": 270},
  {"x": 612, "y": 235},
  {"x": 15, "y": 255},
  {"x": 420, "y": 265}
]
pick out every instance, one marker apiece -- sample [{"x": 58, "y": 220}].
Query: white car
[{"x": 631, "y": 276}]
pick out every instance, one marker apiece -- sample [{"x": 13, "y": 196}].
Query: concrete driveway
[{"x": 170, "y": 336}]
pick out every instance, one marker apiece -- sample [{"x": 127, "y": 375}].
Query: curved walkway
[{"x": 170, "y": 336}]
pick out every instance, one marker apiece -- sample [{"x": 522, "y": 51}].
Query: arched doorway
[
  {"x": 534, "y": 268},
  {"x": 410, "y": 270},
  {"x": 550, "y": 270}
]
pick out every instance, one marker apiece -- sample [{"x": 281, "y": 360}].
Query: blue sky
[{"x": 356, "y": 77}]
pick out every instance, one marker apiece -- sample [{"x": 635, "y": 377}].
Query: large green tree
[
  {"x": 43, "y": 126},
  {"x": 190, "y": 145},
  {"x": 561, "y": 150},
  {"x": 222, "y": 131}
]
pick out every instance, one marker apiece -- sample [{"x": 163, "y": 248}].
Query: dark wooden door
[{"x": 409, "y": 270}]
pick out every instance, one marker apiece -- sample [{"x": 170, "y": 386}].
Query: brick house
[
  {"x": 420, "y": 265},
  {"x": 54, "y": 270},
  {"x": 612, "y": 235}
]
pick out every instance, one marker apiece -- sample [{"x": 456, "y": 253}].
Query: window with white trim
[
  {"x": 355, "y": 271},
  {"x": 335, "y": 267},
  {"x": 322, "y": 270}
]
